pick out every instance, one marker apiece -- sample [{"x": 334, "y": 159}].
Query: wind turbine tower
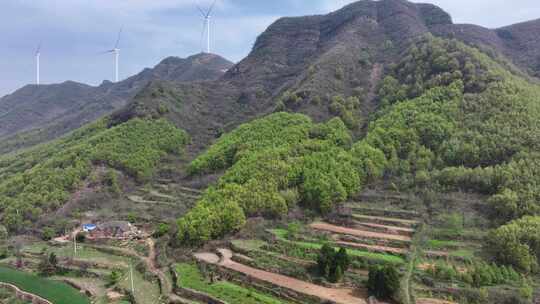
[
  {"x": 116, "y": 52},
  {"x": 206, "y": 25},
  {"x": 38, "y": 54}
]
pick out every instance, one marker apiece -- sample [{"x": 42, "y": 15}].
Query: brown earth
[
  {"x": 385, "y": 220},
  {"x": 337, "y": 295},
  {"x": 374, "y": 248},
  {"x": 389, "y": 229},
  {"x": 358, "y": 232}
]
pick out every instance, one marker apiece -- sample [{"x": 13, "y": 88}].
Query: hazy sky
[{"x": 74, "y": 32}]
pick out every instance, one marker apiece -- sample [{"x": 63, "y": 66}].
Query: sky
[{"x": 75, "y": 33}]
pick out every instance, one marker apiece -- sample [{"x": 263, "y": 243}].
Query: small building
[
  {"x": 89, "y": 227},
  {"x": 114, "y": 229}
]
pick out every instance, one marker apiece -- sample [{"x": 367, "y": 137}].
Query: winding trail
[{"x": 337, "y": 295}]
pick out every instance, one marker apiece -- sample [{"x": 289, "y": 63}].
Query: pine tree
[{"x": 336, "y": 275}]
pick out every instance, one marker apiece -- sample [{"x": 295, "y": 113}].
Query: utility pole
[
  {"x": 74, "y": 244},
  {"x": 131, "y": 278}
]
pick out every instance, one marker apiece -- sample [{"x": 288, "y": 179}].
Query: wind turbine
[
  {"x": 116, "y": 52},
  {"x": 206, "y": 24},
  {"x": 37, "y": 54}
]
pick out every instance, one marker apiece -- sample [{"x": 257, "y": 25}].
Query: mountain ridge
[
  {"x": 305, "y": 56},
  {"x": 304, "y": 62},
  {"x": 47, "y": 111}
]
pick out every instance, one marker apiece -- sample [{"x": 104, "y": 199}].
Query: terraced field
[
  {"x": 56, "y": 292},
  {"x": 288, "y": 261},
  {"x": 337, "y": 295},
  {"x": 286, "y": 258}
]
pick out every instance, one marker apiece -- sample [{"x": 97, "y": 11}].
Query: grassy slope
[
  {"x": 58, "y": 293},
  {"x": 190, "y": 277}
]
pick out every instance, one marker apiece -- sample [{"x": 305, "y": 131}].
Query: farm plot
[
  {"x": 360, "y": 233},
  {"x": 91, "y": 268},
  {"x": 337, "y": 295},
  {"x": 56, "y": 292},
  {"x": 190, "y": 277},
  {"x": 312, "y": 245}
]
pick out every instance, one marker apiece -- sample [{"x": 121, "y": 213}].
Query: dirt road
[
  {"x": 359, "y": 233},
  {"x": 337, "y": 295}
]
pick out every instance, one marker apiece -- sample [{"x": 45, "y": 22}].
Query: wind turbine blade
[
  {"x": 201, "y": 10},
  {"x": 118, "y": 39},
  {"x": 211, "y": 8}
]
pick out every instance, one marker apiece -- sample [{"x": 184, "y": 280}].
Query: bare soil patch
[
  {"x": 359, "y": 233},
  {"x": 373, "y": 248},
  {"x": 387, "y": 228},
  {"x": 386, "y": 220}
]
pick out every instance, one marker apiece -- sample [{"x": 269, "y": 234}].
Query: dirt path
[
  {"x": 166, "y": 286},
  {"x": 359, "y": 233},
  {"x": 337, "y": 295},
  {"x": 385, "y": 220},
  {"x": 388, "y": 229},
  {"x": 374, "y": 248}
]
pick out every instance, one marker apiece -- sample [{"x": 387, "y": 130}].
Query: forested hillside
[
  {"x": 450, "y": 118},
  {"x": 41, "y": 180},
  {"x": 379, "y": 150}
]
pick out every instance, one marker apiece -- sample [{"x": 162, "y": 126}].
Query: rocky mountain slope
[
  {"x": 299, "y": 64},
  {"x": 304, "y": 64},
  {"x": 39, "y": 113}
]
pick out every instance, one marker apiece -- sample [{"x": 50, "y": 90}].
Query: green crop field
[
  {"x": 190, "y": 277},
  {"x": 56, "y": 292},
  {"x": 381, "y": 257}
]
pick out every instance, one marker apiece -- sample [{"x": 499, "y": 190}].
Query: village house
[{"x": 112, "y": 229}]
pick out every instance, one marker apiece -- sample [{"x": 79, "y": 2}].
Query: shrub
[
  {"x": 332, "y": 264},
  {"x": 48, "y": 234},
  {"x": 81, "y": 237},
  {"x": 383, "y": 281},
  {"x": 517, "y": 243},
  {"x": 48, "y": 264},
  {"x": 161, "y": 230}
]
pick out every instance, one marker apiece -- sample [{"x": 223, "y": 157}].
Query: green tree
[
  {"x": 48, "y": 265},
  {"x": 383, "y": 281},
  {"x": 114, "y": 278},
  {"x": 48, "y": 234}
]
